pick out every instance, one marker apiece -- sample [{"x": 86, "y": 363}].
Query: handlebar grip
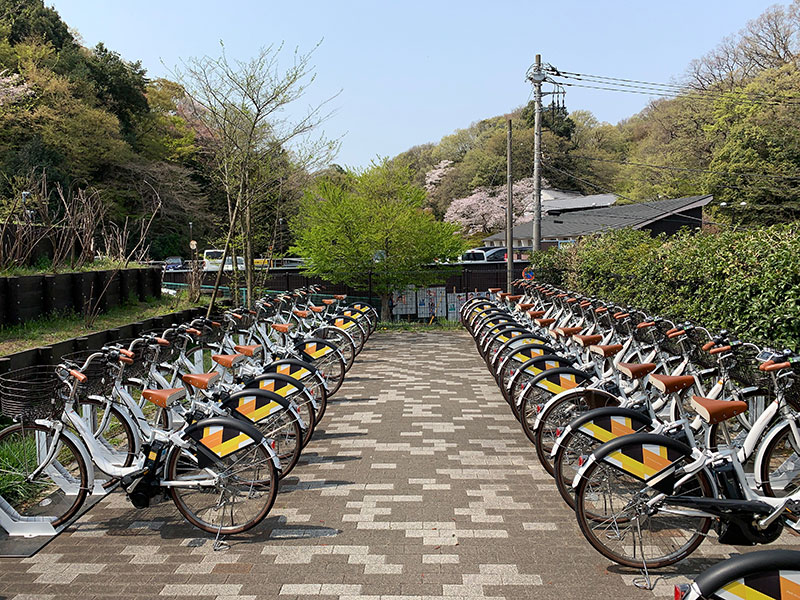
[
  {"x": 676, "y": 333},
  {"x": 193, "y": 331},
  {"x": 162, "y": 342},
  {"x": 127, "y": 353},
  {"x": 777, "y": 366},
  {"x": 645, "y": 324},
  {"x": 126, "y": 360},
  {"x": 216, "y": 324},
  {"x": 78, "y": 375},
  {"x": 707, "y": 346},
  {"x": 720, "y": 350}
]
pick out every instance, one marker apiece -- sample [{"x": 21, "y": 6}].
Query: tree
[
  {"x": 757, "y": 151},
  {"x": 237, "y": 107},
  {"x": 373, "y": 230}
]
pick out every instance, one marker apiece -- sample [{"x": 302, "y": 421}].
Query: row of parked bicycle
[
  {"x": 212, "y": 413},
  {"x": 655, "y": 432}
]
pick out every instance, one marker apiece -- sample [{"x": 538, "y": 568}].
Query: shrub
[{"x": 745, "y": 281}]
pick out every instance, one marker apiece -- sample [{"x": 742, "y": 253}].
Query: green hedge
[{"x": 745, "y": 281}]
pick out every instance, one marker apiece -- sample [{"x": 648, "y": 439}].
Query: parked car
[
  {"x": 484, "y": 254},
  {"x": 173, "y": 263},
  {"x": 212, "y": 261},
  {"x": 495, "y": 254}
]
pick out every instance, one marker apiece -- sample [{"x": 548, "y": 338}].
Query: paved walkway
[{"x": 421, "y": 485}]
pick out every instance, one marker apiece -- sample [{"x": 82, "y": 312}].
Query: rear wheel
[
  {"x": 341, "y": 339},
  {"x": 111, "y": 429},
  {"x": 611, "y": 507},
  {"x": 555, "y": 417},
  {"x": 58, "y": 490},
  {"x": 226, "y": 495},
  {"x": 285, "y": 437}
]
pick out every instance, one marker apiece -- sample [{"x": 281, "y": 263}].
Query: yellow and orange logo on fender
[{"x": 223, "y": 441}]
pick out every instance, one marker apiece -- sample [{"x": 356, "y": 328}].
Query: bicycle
[{"x": 220, "y": 473}]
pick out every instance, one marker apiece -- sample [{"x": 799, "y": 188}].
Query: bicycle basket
[
  {"x": 166, "y": 354},
  {"x": 669, "y": 345},
  {"x": 792, "y": 396},
  {"x": 32, "y": 393},
  {"x": 140, "y": 366},
  {"x": 646, "y": 335},
  {"x": 99, "y": 381},
  {"x": 701, "y": 358},
  {"x": 745, "y": 371},
  {"x": 211, "y": 334}
]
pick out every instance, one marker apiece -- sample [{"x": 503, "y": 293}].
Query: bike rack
[{"x": 16, "y": 525}]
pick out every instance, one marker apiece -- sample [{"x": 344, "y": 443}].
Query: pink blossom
[
  {"x": 485, "y": 209},
  {"x": 13, "y": 89}
]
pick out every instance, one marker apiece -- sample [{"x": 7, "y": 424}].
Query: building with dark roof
[{"x": 659, "y": 216}]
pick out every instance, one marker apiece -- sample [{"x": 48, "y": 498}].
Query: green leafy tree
[
  {"x": 373, "y": 230},
  {"x": 761, "y": 138}
]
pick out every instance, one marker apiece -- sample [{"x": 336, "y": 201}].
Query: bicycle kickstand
[
  {"x": 643, "y": 582},
  {"x": 219, "y": 541}
]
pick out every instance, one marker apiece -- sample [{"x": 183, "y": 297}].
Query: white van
[{"x": 212, "y": 261}]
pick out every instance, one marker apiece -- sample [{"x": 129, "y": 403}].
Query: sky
[{"x": 407, "y": 73}]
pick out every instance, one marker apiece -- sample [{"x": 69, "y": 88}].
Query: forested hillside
[
  {"x": 74, "y": 118},
  {"x": 729, "y": 126}
]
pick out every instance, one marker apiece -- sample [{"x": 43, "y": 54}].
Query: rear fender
[
  {"x": 596, "y": 399},
  {"x": 651, "y": 458},
  {"x": 559, "y": 379},
  {"x": 605, "y": 424}
]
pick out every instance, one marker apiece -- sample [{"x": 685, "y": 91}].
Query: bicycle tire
[
  {"x": 610, "y": 509},
  {"x": 781, "y": 451},
  {"x": 587, "y": 433},
  {"x": 116, "y": 441},
  {"x": 326, "y": 359},
  {"x": 556, "y": 416},
  {"x": 341, "y": 339},
  {"x": 246, "y": 474},
  {"x": 306, "y": 374},
  {"x": 43, "y": 496},
  {"x": 269, "y": 413}
]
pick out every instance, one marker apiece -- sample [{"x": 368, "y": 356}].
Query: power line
[
  {"x": 688, "y": 169},
  {"x": 644, "y": 204},
  {"x": 634, "y": 86}
]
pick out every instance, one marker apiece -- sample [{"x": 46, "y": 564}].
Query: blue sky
[{"x": 410, "y": 72}]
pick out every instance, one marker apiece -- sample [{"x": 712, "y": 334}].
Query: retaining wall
[
  {"x": 49, "y": 355},
  {"x": 28, "y": 297}
]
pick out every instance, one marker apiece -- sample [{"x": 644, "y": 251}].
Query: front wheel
[
  {"x": 58, "y": 490},
  {"x": 225, "y": 494},
  {"x": 780, "y": 465},
  {"x": 612, "y": 511}
]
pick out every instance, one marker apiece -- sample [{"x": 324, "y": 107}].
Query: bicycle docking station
[{"x": 23, "y": 536}]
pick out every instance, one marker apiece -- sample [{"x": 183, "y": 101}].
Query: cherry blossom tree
[{"x": 484, "y": 210}]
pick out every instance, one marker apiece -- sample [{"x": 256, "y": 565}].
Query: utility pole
[
  {"x": 537, "y": 77},
  {"x": 509, "y": 216}
]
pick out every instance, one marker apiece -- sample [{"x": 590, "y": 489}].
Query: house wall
[{"x": 673, "y": 223}]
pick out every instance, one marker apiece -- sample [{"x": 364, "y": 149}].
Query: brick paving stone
[{"x": 419, "y": 484}]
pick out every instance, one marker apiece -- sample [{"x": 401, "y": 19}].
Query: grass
[
  {"x": 54, "y": 329},
  {"x": 435, "y": 325},
  {"x": 44, "y": 267},
  {"x": 12, "y": 481}
]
